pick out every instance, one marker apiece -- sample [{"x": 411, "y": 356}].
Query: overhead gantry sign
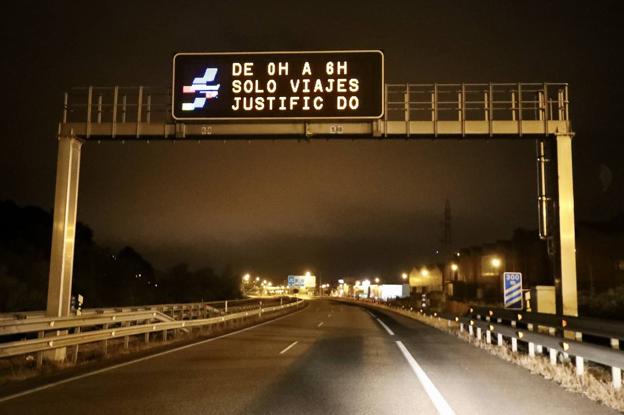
[
  {"x": 281, "y": 85},
  {"x": 303, "y": 95}
]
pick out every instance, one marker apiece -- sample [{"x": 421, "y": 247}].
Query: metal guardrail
[
  {"x": 175, "y": 310},
  {"x": 539, "y": 331},
  {"x": 54, "y": 333}
]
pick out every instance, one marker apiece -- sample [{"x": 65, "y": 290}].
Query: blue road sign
[{"x": 512, "y": 291}]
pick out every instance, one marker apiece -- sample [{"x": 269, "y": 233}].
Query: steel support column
[
  {"x": 64, "y": 227},
  {"x": 566, "y": 225}
]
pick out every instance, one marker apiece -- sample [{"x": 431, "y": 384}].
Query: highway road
[{"x": 329, "y": 358}]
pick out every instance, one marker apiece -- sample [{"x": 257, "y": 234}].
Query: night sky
[{"x": 337, "y": 208}]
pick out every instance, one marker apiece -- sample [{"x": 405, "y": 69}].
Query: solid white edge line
[
  {"x": 434, "y": 394},
  {"x": 320, "y": 324},
  {"x": 372, "y": 315},
  {"x": 390, "y": 332},
  {"x": 141, "y": 359},
  {"x": 289, "y": 347}
]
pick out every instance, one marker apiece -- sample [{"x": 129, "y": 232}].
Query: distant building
[
  {"x": 476, "y": 272},
  {"x": 426, "y": 278}
]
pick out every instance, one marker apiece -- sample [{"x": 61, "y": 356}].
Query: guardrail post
[
  {"x": 553, "y": 356},
  {"x": 40, "y": 335},
  {"x": 531, "y": 349},
  {"x": 580, "y": 366},
  {"x": 164, "y": 334},
  {"x": 514, "y": 345},
  {"x": 126, "y": 338},
  {"x": 538, "y": 349},
  {"x": 105, "y": 343},
  {"x": 470, "y": 330},
  {"x": 616, "y": 375},
  {"x": 488, "y": 337},
  {"x": 479, "y": 333},
  {"x": 499, "y": 339},
  {"x": 226, "y": 304},
  {"x": 615, "y": 344},
  {"x": 461, "y": 327},
  {"x": 76, "y": 347}
]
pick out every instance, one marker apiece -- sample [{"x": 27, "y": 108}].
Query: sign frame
[
  {"x": 513, "y": 290},
  {"x": 251, "y": 119}
]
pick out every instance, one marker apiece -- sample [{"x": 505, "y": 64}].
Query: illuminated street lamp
[
  {"x": 377, "y": 280},
  {"x": 496, "y": 262},
  {"x": 307, "y": 274},
  {"x": 246, "y": 277},
  {"x": 404, "y": 275},
  {"x": 424, "y": 272},
  {"x": 454, "y": 267}
]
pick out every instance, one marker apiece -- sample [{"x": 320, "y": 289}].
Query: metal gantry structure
[{"x": 515, "y": 111}]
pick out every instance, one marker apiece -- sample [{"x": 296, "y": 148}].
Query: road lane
[
  {"x": 474, "y": 381},
  {"x": 350, "y": 364},
  {"x": 347, "y": 365}
]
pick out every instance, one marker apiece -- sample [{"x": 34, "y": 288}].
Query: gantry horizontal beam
[{"x": 299, "y": 130}]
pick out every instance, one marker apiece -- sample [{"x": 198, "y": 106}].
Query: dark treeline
[{"x": 103, "y": 276}]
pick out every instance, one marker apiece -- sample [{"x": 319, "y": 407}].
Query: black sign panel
[{"x": 278, "y": 85}]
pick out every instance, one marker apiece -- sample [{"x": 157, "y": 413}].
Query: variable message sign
[{"x": 278, "y": 85}]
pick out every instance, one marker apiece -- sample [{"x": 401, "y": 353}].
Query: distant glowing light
[
  {"x": 496, "y": 262},
  {"x": 404, "y": 275},
  {"x": 454, "y": 267}
]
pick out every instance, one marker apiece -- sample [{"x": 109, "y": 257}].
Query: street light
[
  {"x": 496, "y": 262},
  {"x": 404, "y": 275},
  {"x": 377, "y": 280},
  {"x": 424, "y": 272},
  {"x": 454, "y": 267},
  {"x": 246, "y": 277}
]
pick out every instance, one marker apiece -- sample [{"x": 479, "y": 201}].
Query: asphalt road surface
[{"x": 330, "y": 358}]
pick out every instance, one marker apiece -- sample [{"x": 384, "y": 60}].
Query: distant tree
[{"x": 102, "y": 276}]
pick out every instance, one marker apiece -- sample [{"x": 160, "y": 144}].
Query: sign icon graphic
[{"x": 202, "y": 89}]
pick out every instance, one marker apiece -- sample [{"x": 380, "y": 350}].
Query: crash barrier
[
  {"x": 541, "y": 333},
  {"x": 44, "y": 334}
]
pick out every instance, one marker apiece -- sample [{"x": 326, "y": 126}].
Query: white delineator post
[
  {"x": 566, "y": 225},
  {"x": 63, "y": 232}
]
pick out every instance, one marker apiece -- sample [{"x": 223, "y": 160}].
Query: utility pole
[{"x": 446, "y": 241}]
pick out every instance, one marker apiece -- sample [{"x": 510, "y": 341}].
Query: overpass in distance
[{"x": 328, "y": 358}]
